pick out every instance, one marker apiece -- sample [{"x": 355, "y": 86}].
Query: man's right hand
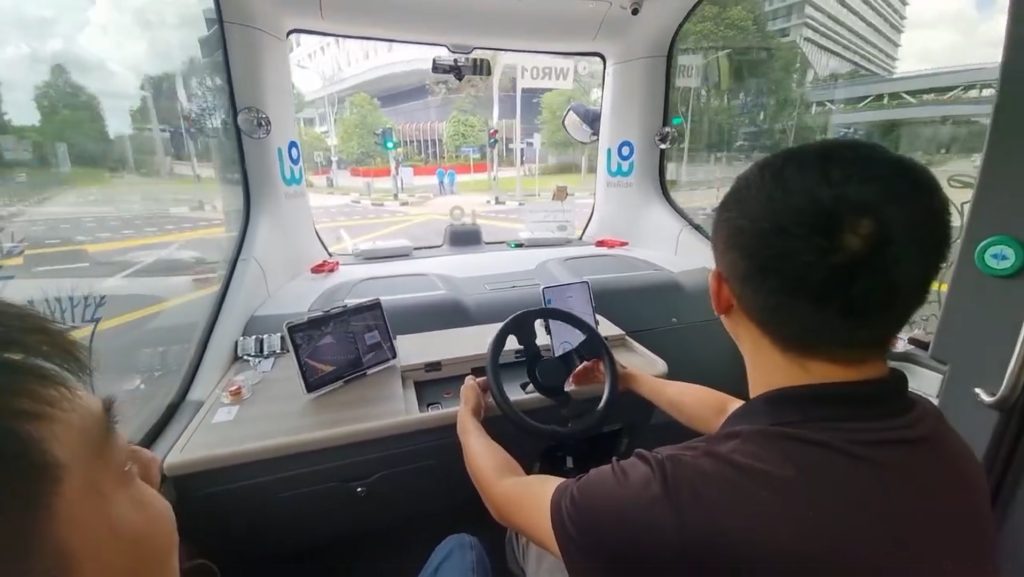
[{"x": 592, "y": 373}]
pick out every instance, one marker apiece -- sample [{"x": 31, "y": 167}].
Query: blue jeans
[{"x": 459, "y": 555}]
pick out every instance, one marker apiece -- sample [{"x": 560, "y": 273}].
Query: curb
[{"x": 388, "y": 203}]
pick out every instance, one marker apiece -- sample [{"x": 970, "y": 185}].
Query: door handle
[{"x": 1013, "y": 382}]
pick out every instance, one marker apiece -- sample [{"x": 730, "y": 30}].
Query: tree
[
  {"x": 356, "y": 140},
  {"x": 754, "y": 90},
  {"x": 71, "y": 114},
  {"x": 553, "y": 105},
  {"x": 312, "y": 142},
  {"x": 298, "y": 100},
  {"x": 5, "y": 125},
  {"x": 464, "y": 128},
  {"x": 165, "y": 102}
]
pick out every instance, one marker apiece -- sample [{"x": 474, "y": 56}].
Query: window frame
[
  {"x": 604, "y": 81},
  {"x": 666, "y": 111},
  {"x": 189, "y": 374}
]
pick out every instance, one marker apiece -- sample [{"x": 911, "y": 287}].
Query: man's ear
[{"x": 722, "y": 300}]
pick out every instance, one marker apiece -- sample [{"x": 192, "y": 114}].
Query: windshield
[{"x": 390, "y": 147}]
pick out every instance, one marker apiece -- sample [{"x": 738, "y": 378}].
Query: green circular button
[{"x": 999, "y": 256}]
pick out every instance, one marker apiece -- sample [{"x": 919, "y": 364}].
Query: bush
[{"x": 560, "y": 168}]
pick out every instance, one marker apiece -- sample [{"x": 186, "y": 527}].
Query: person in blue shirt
[
  {"x": 440, "y": 180},
  {"x": 450, "y": 177}
]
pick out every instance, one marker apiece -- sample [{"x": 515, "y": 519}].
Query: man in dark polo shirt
[{"x": 822, "y": 253}]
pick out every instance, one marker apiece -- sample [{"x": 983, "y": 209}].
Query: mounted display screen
[
  {"x": 576, "y": 298},
  {"x": 338, "y": 345}
]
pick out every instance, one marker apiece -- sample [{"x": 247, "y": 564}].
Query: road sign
[
  {"x": 470, "y": 151},
  {"x": 540, "y": 72},
  {"x": 689, "y": 70}
]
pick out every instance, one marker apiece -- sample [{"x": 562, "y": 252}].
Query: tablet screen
[{"x": 340, "y": 344}]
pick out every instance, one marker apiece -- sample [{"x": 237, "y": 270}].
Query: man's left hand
[{"x": 473, "y": 397}]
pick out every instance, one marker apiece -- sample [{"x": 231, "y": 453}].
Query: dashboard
[{"x": 384, "y": 447}]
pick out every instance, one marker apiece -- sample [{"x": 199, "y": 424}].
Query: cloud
[
  {"x": 943, "y": 33},
  {"x": 107, "y": 45}
]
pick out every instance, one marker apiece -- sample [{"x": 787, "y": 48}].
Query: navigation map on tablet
[{"x": 340, "y": 344}]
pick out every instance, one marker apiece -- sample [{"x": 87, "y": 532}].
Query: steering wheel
[{"x": 548, "y": 374}]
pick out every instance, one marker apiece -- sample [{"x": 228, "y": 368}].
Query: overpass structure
[{"x": 966, "y": 92}]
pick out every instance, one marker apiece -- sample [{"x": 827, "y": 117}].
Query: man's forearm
[
  {"x": 487, "y": 462},
  {"x": 700, "y": 408}
]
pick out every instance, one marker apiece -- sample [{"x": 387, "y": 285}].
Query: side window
[
  {"x": 120, "y": 186},
  {"x": 750, "y": 77}
]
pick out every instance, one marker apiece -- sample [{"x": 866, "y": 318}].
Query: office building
[{"x": 840, "y": 36}]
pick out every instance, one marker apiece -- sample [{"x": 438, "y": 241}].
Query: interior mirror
[
  {"x": 460, "y": 67},
  {"x": 582, "y": 123}
]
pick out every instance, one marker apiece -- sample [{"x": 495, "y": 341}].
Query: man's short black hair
[
  {"x": 830, "y": 247},
  {"x": 40, "y": 368}
]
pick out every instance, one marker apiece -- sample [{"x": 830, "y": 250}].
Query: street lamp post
[{"x": 689, "y": 113}]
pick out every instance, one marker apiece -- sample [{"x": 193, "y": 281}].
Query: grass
[{"x": 547, "y": 182}]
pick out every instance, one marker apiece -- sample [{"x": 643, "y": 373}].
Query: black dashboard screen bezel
[{"x": 327, "y": 381}]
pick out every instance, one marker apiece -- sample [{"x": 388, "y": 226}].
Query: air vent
[{"x": 511, "y": 284}]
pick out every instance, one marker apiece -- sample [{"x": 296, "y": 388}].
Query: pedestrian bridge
[{"x": 968, "y": 91}]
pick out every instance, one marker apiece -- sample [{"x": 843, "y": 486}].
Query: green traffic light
[
  {"x": 677, "y": 120},
  {"x": 389, "y": 145}
]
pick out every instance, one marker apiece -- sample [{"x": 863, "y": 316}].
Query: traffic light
[
  {"x": 492, "y": 138},
  {"x": 386, "y": 138}
]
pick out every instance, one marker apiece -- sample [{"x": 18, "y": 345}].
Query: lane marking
[
  {"x": 61, "y": 266},
  {"x": 112, "y": 322},
  {"x": 386, "y": 230},
  {"x": 371, "y": 220},
  {"x": 146, "y": 262},
  {"x": 348, "y": 240},
  {"x": 51, "y": 241},
  {"x": 176, "y": 236},
  {"x": 127, "y": 232},
  {"x": 150, "y": 229},
  {"x": 120, "y": 244}
]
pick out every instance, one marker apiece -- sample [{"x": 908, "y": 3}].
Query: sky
[
  {"x": 944, "y": 33},
  {"x": 109, "y": 45}
]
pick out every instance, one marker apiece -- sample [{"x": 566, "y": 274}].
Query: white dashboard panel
[
  {"x": 279, "y": 420},
  {"x": 303, "y": 291}
]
